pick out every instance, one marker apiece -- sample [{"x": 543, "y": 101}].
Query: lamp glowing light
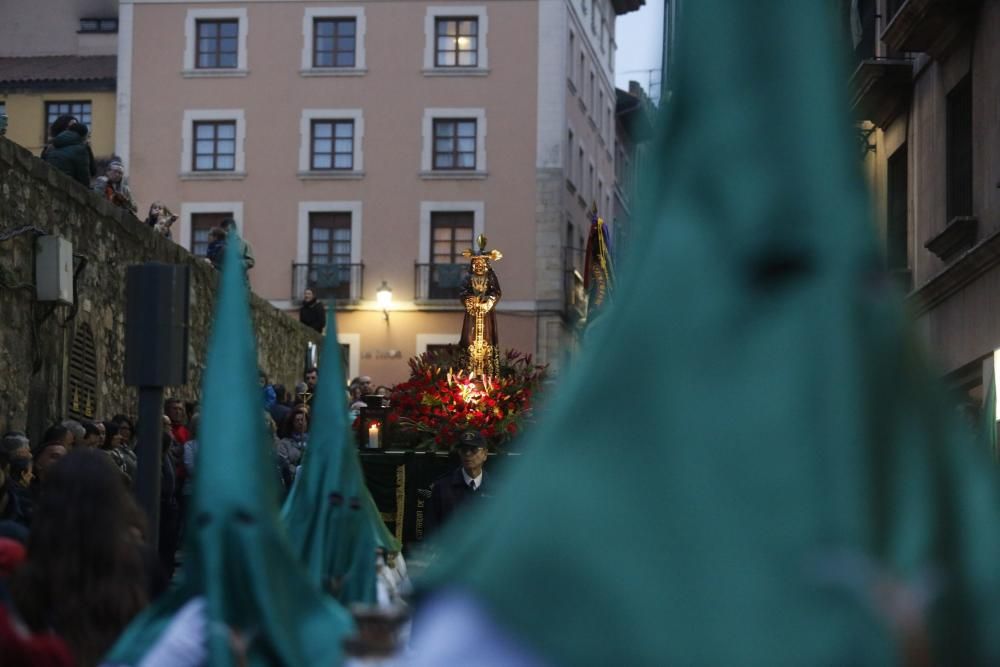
[{"x": 384, "y": 298}]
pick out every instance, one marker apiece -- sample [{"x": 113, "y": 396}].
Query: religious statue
[
  {"x": 598, "y": 273},
  {"x": 479, "y": 293}
]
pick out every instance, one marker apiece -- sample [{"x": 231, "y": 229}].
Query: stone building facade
[
  {"x": 926, "y": 88},
  {"x": 62, "y": 360}
]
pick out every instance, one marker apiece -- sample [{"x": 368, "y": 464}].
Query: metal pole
[{"x": 150, "y": 454}]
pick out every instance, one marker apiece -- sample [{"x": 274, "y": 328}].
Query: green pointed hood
[
  {"x": 786, "y": 450},
  {"x": 236, "y": 554},
  {"x": 326, "y": 513}
]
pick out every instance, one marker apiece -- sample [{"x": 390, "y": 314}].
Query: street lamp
[{"x": 384, "y": 298}]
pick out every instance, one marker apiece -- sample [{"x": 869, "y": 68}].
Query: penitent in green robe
[
  {"x": 782, "y": 480},
  {"x": 237, "y": 556}
]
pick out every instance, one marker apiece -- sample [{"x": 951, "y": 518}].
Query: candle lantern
[{"x": 371, "y": 422}]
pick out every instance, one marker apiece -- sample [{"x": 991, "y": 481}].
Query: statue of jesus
[{"x": 479, "y": 293}]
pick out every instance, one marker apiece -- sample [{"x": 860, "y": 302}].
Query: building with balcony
[
  {"x": 925, "y": 93},
  {"x": 59, "y": 57},
  {"x": 368, "y": 143}
]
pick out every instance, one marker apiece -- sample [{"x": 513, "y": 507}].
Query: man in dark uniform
[{"x": 462, "y": 483}]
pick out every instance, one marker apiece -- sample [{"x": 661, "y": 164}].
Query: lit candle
[{"x": 373, "y": 436}]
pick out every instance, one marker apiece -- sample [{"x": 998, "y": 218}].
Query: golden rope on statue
[{"x": 479, "y": 294}]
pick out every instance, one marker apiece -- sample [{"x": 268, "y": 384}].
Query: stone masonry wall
[{"x": 39, "y": 377}]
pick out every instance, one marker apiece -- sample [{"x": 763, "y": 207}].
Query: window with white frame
[
  {"x": 333, "y": 41},
  {"x": 581, "y": 80},
  {"x": 446, "y": 228},
  {"x": 578, "y": 176},
  {"x": 213, "y": 143},
  {"x": 571, "y": 60},
  {"x": 215, "y": 42},
  {"x": 455, "y": 39},
  {"x": 198, "y": 218},
  {"x": 569, "y": 155},
  {"x": 331, "y": 143},
  {"x": 454, "y": 142},
  {"x": 328, "y": 255},
  {"x": 599, "y": 112}
]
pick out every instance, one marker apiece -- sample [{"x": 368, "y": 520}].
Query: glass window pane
[
  {"x": 463, "y": 235},
  {"x": 322, "y": 161},
  {"x": 203, "y": 162},
  {"x": 324, "y": 44},
  {"x": 446, "y": 43},
  {"x": 324, "y": 59},
  {"x": 322, "y": 130},
  {"x": 345, "y": 44},
  {"x": 205, "y": 60},
  {"x": 204, "y": 147},
  {"x": 341, "y": 161},
  {"x": 323, "y": 28},
  {"x": 227, "y": 60},
  {"x": 446, "y": 58},
  {"x": 230, "y": 29},
  {"x": 444, "y": 161},
  {"x": 346, "y": 28},
  {"x": 204, "y": 131},
  {"x": 444, "y": 129},
  {"x": 344, "y": 146},
  {"x": 207, "y": 29},
  {"x": 345, "y": 59},
  {"x": 318, "y": 249},
  {"x": 467, "y": 145},
  {"x": 467, "y": 129},
  {"x": 467, "y": 58},
  {"x": 444, "y": 145},
  {"x": 320, "y": 233},
  {"x": 227, "y": 146},
  {"x": 227, "y": 131},
  {"x": 345, "y": 130},
  {"x": 342, "y": 234},
  {"x": 468, "y": 27},
  {"x": 323, "y": 146},
  {"x": 226, "y": 162},
  {"x": 342, "y": 248},
  {"x": 442, "y": 27},
  {"x": 228, "y": 44},
  {"x": 466, "y": 160}
]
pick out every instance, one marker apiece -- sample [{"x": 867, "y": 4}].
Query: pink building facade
[{"x": 362, "y": 143}]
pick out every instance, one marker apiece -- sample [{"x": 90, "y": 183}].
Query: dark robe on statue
[{"x": 471, "y": 297}]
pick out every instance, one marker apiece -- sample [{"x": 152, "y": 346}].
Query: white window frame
[
  {"x": 190, "y": 208},
  {"x": 427, "y": 170},
  {"x": 353, "y": 343},
  {"x": 425, "y": 339},
  {"x": 190, "y": 37},
  {"x": 308, "y": 26},
  {"x": 305, "y": 143},
  {"x": 435, "y": 12},
  {"x": 355, "y": 208},
  {"x": 571, "y": 155},
  {"x": 191, "y": 116},
  {"x": 478, "y": 209}
]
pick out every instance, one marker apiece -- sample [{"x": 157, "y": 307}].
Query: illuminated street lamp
[{"x": 384, "y": 298}]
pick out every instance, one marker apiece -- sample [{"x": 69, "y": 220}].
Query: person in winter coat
[
  {"x": 113, "y": 187},
  {"x": 70, "y": 153},
  {"x": 312, "y": 313}
]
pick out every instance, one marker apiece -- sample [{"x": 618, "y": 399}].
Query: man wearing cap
[
  {"x": 456, "y": 487},
  {"x": 112, "y": 187}
]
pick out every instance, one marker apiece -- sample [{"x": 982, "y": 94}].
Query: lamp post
[{"x": 384, "y": 298}]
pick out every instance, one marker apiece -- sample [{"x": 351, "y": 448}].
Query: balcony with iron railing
[
  {"x": 926, "y": 26},
  {"x": 340, "y": 282},
  {"x": 882, "y": 80},
  {"x": 439, "y": 282}
]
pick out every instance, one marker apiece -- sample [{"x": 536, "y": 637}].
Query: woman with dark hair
[
  {"x": 119, "y": 452},
  {"x": 85, "y": 577},
  {"x": 295, "y": 436}
]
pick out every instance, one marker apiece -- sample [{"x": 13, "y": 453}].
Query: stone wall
[{"x": 60, "y": 359}]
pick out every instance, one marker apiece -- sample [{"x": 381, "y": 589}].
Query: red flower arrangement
[{"x": 438, "y": 403}]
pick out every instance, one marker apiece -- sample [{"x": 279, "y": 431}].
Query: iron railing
[
  {"x": 438, "y": 281},
  {"x": 342, "y": 282}
]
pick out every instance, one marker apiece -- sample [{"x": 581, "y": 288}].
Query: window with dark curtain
[
  {"x": 959, "y": 152},
  {"x": 897, "y": 232}
]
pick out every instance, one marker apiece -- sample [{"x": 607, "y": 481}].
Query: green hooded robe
[
  {"x": 237, "y": 555},
  {"x": 785, "y": 475}
]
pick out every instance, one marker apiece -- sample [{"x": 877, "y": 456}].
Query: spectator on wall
[
  {"x": 113, "y": 186},
  {"x": 312, "y": 313},
  {"x": 69, "y": 151}
]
